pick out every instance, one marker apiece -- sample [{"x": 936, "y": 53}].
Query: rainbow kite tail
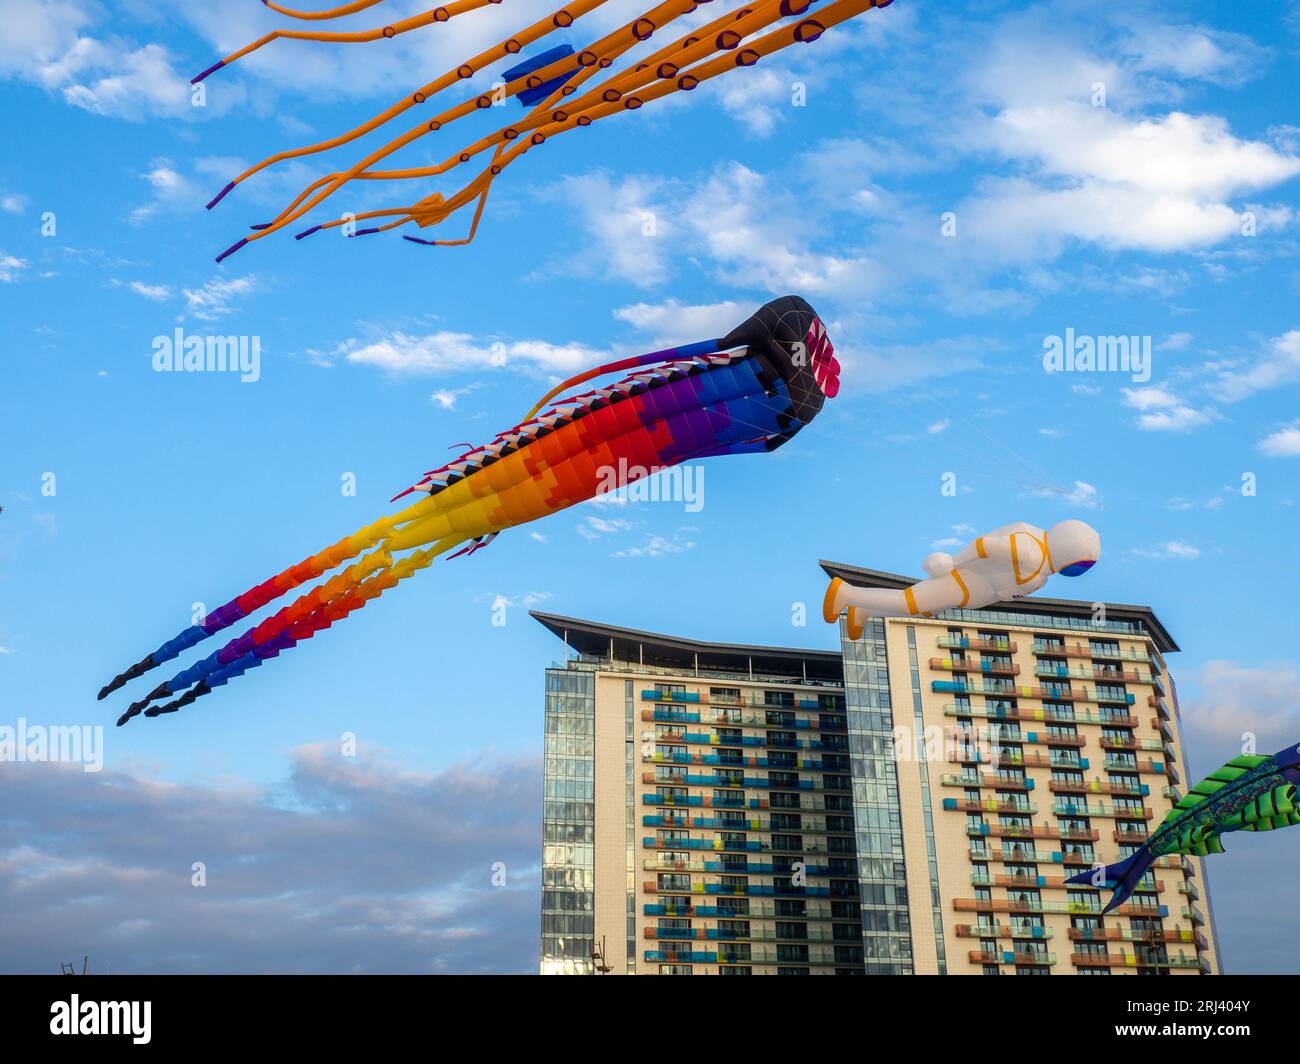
[{"x": 252, "y": 600}]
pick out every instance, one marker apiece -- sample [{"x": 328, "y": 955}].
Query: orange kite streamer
[{"x": 553, "y": 84}]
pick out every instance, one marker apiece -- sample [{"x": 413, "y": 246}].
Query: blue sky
[{"x": 1171, "y": 212}]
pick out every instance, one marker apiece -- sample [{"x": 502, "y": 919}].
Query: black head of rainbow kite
[{"x": 790, "y": 336}]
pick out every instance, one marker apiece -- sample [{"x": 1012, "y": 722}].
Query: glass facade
[
  {"x": 886, "y": 929},
  {"x": 568, "y": 824}
]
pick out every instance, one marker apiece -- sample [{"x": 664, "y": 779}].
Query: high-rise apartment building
[{"x": 912, "y": 803}]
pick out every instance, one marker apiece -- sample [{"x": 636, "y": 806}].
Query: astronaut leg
[{"x": 873, "y": 601}]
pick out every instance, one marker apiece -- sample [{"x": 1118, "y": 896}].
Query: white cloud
[
  {"x": 672, "y": 322},
  {"x": 446, "y": 397},
  {"x": 155, "y": 293},
  {"x": 134, "y": 85},
  {"x": 1284, "y": 443},
  {"x": 1237, "y": 699},
  {"x": 1214, "y": 502},
  {"x": 1162, "y": 411},
  {"x": 49, "y": 43},
  {"x": 1111, "y": 175},
  {"x": 215, "y": 297},
  {"x": 1277, "y": 366},
  {"x": 170, "y": 191},
  {"x": 10, "y": 267},
  {"x": 528, "y": 598},
  {"x": 937, "y": 427},
  {"x": 1171, "y": 550},
  {"x": 735, "y": 218},
  {"x": 595, "y": 527},
  {"x": 402, "y": 354},
  {"x": 6, "y": 650},
  {"x": 1082, "y": 494},
  {"x": 656, "y": 546},
  {"x": 630, "y": 220},
  {"x": 961, "y": 535},
  {"x": 12, "y": 203}
]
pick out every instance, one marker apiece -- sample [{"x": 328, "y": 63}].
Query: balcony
[
  {"x": 1124, "y": 934},
  {"x": 1118, "y": 763},
  {"x": 712, "y": 845},
  {"x": 1002, "y": 646},
  {"x": 727, "y": 934},
  {"x": 737, "y": 781},
  {"x": 979, "y": 779},
  {"x": 1131, "y": 960},
  {"x": 1027, "y": 713},
  {"x": 698, "y": 698},
  {"x": 807, "y": 825},
  {"x": 1085, "y": 650},
  {"x": 730, "y": 910},
  {"x": 1129, "y": 742},
  {"x": 990, "y": 805},
  {"x": 983, "y": 957},
  {"x": 739, "y": 890},
  {"x": 1067, "y": 908},
  {"x": 1098, "y": 787},
  {"x": 1066, "y": 808},
  {"x": 1046, "y": 670},
  {"x": 1015, "y": 930},
  {"x": 1015, "y": 759},
  {"x": 993, "y": 734},
  {"x": 821, "y": 957},
  {"x": 799, "y": 764},
  {"x": 701, "y": 801},
  {"x": 1036, "y": 831},
  {"x": 711, "y": 739},
  {"x": 974, "y": 665}
]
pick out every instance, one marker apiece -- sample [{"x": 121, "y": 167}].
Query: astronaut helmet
[{"x": 1075, "y": 547}]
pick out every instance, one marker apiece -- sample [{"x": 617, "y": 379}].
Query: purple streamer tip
[
  {"x": 261, "y": 225},
  {"x": 417, "y": 240},
  {"x": 215, "y": 66},
  {"x": 220, "y": 196},
  {"x": 232, "y": 249},
  {"x": 308, "y": 232}
]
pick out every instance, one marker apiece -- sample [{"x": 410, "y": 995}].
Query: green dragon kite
[{"x": 1250, "y": 793}]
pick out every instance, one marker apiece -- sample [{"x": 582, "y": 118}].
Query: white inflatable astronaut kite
[{"x": 1005, "y": 564}]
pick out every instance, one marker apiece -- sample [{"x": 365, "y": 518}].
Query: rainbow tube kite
[
  {"x": 1250, "y": 793},
  {"x": 551, "y": 84},
  {"x": 748, "y": 392}
]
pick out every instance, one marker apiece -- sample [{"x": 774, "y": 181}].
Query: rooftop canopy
[{"x": 652, "y": 649}]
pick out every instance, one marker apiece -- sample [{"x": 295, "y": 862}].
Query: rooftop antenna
[{"x": 70, "y": 967}]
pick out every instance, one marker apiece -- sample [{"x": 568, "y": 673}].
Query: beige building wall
[
  {"x": 1181, "y": 879},
  {"x": 611, "y": 826},
  {"x": 613, "y": 876}
]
